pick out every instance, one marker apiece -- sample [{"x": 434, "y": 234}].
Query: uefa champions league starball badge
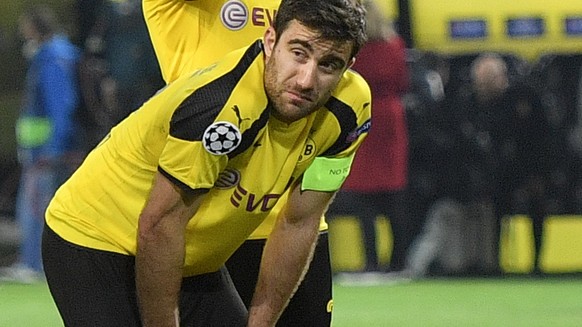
[{"x": 221, "y": 138}]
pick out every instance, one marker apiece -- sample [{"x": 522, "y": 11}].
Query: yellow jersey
[
  {"x": 209, "y": 129},
  {"x": 190, "y": 34}
]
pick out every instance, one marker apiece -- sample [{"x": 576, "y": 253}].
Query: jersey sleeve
[{"x": 189, "y": 165}]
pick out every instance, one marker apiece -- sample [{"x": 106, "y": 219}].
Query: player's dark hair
[{"x": 336, "y": 20}]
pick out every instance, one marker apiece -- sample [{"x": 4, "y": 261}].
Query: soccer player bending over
[
  {"x": 189, "y": 35},
  {"x": 139, "y": 235}
]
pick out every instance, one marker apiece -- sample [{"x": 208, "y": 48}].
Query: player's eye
[
  {"x": 330, "y": 66},
  {"x": 299, "y": 54}
]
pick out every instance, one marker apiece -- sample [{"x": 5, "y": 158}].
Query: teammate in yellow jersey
[
  {"x": 140, "y": 233},
  {"x": 188, "y": 35}
]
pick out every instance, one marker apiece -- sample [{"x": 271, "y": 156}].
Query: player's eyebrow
[
  {"x": 331, "y": 56},
  {"x": 303, "y": 43}
]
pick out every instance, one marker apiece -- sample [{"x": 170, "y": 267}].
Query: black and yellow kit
[
  {"x": 188, "y": 35},
  {"x": 210, "y": 129}
]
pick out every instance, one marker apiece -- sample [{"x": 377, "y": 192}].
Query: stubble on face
[
  {"x": 293, "y": 100},
  {"x": 285, "y": 107}
]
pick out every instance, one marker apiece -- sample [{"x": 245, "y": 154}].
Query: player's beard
[{"x": 285, "y": 109}]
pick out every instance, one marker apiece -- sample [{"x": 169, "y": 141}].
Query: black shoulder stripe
[
  {"x": 249, "y": 136},
  {"x": 199, "y": 110},
  {"x": 348, "y": 123}
]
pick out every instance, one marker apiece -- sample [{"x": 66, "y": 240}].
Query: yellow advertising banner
[{"x": 528, "y": 28}]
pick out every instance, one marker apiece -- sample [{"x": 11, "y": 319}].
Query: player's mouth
[{"x": 298, "y": 98}]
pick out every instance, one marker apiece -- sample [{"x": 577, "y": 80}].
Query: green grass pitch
[{"x": 503, "y": 302}]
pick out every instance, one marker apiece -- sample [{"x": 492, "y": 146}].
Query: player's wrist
[{"x": 261, "y": 316}]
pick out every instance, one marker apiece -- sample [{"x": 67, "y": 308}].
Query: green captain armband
[{"x": 326, "y": 174}]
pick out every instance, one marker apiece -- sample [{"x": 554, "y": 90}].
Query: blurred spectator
[
  {"x": 427, "y": 143},
  {"x": 497, "y": 165},
  {"x": 378, "y": 177},
  {"x": 473, "y": 115},
  {"x": 466, "y": 175},
  {"x": 44, "y": 131},
  {"x": 119, "y": 70}
]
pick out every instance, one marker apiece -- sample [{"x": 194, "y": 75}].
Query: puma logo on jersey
[{"x": 236, "y": 110}]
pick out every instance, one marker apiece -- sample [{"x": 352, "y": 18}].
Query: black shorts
[
  {"x": 312, "y": 303},
  {"x": 97, "y": 288}
]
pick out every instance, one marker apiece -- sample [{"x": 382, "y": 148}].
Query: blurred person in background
[
  {"x": 428, "y": 144},
  {"x": 496, "y": 165},
  {"x": 378, "y": 179},
  {"x": 474, "y": 114},
  {"x": 45, "y": 131},
  {"x": 522, "y": 152},
  {"x": 465, "y": 169},
  {"x": 119, "y": 70}
]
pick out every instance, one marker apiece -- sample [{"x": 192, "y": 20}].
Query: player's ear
[
  {"x": 269, "y": 39},
  {"x": 351, "y": 63}
]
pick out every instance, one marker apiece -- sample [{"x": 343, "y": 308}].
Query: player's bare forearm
[
  {"x": 160, "y": 253},
  {"x": 158, "y": 277},
  {"x": 287, "y": 254}
]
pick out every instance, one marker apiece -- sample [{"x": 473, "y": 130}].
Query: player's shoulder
[
  {"x": 354, "y": 92},
  {"x": 229, "y": 90},
  {"x": 352, "y": 83},
  {"x": 347, "y": 117}
]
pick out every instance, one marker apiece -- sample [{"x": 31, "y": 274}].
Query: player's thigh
[
  {"x": 211, "y": 300},
  {"x": 243, "y": 267},
  {"x": 312, "y": 303},
  {"x": 90, "y": 287}
]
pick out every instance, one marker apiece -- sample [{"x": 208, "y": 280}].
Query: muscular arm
[
  {"x": 287, "y": 254},
  {"x": 160, "y": 251}
]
